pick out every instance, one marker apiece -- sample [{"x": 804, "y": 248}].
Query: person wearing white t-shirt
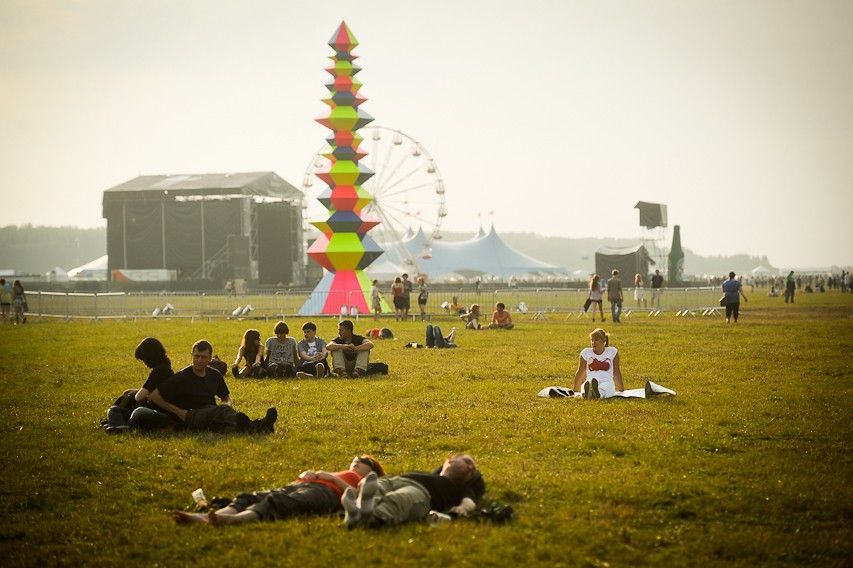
[{"x": 600, "y": 364}]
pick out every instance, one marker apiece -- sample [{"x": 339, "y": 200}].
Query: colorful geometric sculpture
[{"x": 344, "y": 249}]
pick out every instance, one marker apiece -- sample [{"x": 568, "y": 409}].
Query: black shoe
[
  {"x": 265, "y": 424},
  {"x": 235, "y": 370}
]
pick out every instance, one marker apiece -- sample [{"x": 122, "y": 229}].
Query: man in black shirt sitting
[
  {"x": 190, "y": 395},
  {"x": 398, "y": 499}
]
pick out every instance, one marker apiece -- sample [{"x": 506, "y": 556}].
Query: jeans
[
  {"x": 118, "y": 416},
  {"x": 150, "y": 419},
  {"x": 616, "y": 309},
  {"x": 298, "y": 498}
]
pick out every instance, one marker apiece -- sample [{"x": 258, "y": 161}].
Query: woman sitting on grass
[
  {"x": 472, "y": 318},
  {"x": 151, "y": 352},
  {"x": 252, "y": 351},
  {"x": 313, "y": 493},
  {"x": 600, "y": 362}
]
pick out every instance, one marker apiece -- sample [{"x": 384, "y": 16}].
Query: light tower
[{"x": 344, "y": 249}]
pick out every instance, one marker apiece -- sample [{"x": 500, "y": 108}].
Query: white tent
[
  {"x": 486, "y": 254},
  {"x": 759, "y": 270},
  {"x": 95, "y": 270}
]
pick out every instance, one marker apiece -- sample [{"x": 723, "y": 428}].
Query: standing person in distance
[
  {"x": 407, "y": 296},
  {"x": 614, "y": 296},
  {"x": 423, "y": 296},
  {"x": 790, "y": 286},
  {"x": 595, "y": 295},
  {"x": 397, "y": 290},
  {"x": 376, "y": 300},
  {"x": 733, "y": 292},
  {"x": 657, "y": 291},
  {"x": 639, "y": 291}
]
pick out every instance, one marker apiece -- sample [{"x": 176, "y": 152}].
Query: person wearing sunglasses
[
  {"x": 398, "y": 499},
  {"x": 315, "y": 492}
]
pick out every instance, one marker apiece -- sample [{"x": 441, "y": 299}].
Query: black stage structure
[{"x": 211, "y": 227}]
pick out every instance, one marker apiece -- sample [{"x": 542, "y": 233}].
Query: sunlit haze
[{"x": 552, "y": 117}]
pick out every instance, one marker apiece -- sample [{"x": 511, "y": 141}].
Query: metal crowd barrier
[{"x": 536, "y": 302}]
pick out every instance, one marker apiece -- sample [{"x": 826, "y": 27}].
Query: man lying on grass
[
  {"x": 189, "y": 396},
  {"x": 313, "y": 493},
  {"x": 398, "y": 499}
]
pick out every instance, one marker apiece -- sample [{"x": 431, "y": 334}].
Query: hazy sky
[{"x": 557, "y": 115}]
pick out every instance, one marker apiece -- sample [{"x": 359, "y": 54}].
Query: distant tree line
[{"x": 36, "y": 250}]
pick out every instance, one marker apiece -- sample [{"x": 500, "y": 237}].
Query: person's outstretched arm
[
  {"x": 617, "y": 374},
  {"x": 579, "y": 374}
]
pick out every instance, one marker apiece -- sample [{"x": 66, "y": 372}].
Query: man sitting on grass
[
  {"x": 350, "y": 352},
  {"x": 501, "y": 318},
  {"x": 313, "y": 493},
  {"x": 189, "y": 396},
  {"x": 398, "y": 499}
]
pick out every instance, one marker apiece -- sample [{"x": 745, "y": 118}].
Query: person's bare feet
[{"x": 184, "y": 518}]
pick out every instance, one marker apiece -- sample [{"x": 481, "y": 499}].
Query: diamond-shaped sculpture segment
[{"x": 344, "y": 249}]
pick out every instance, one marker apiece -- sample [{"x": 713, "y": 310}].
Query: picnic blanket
[{"x": 651, "y": 389}]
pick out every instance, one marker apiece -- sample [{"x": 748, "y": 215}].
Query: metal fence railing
[{"x": 539, "y": 302}]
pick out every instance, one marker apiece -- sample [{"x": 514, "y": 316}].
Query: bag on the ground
[
  {"x": 723, "y": 301},
  {"x": 377, "y": 369},
  {"x": 126, "y": 401}
]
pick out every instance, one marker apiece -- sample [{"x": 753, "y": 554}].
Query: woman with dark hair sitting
[
  {"x": 252, "y": 351},
  {"x": 152, "y": 353}
]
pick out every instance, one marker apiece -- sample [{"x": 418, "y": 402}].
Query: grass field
[{"x": 748, "y": 465}]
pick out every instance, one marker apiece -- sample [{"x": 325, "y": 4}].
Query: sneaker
[
  {"x": 303, "y": 375},
  {"x": 585, "y": 390},
  {"x": 352, "y": 515},
  {"x": 235, "y": 370},
  {"x": 319, "y": 370},
  {"x": 369, "y": 487},
  {"x": 595, "y": 394},
  {"x": 120, "y": 429}
]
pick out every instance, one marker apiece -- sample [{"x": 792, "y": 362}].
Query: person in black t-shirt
[
  {"x": 350, "y": 352},
  {"x": 190, "y": 395},
  {"x": 398, "y": 499}
]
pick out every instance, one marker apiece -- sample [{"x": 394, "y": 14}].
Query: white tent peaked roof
[
  {"x": 94, "y": 270},
  {"x": 486, "y": 253}
]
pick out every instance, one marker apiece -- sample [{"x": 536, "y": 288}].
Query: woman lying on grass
[
  {"x": 600, "y": 362},
  {"x": 313, "y": 493}
]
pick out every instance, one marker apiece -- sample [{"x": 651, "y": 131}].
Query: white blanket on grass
[{"x": 651, "y": 389}]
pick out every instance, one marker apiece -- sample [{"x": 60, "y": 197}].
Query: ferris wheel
[{"x": 407, "y": 188}]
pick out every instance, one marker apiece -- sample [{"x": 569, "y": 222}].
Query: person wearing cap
[
  {"x": 398, "y": 499},
  {"x": 315, "y": 492}
]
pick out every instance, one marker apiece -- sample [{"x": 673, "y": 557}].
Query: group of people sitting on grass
[
  {"x": 187, "y": 398},
  {"x": 366, "y": 495},
  {"x": 282, "y": 356},
  {"x": 501, "y": 318}
]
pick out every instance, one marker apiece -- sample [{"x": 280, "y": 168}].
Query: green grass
[{"x": 748, "y": 465}]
